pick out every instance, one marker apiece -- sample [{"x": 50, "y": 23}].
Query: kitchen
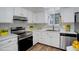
[{"x": 29, "y": 28}]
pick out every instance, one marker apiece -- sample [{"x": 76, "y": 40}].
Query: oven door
[{"x": 25, "y": 43}]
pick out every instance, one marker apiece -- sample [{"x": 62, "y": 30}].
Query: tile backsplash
[
  {"x": 37, "y": 26},
  {"x": 71, "y": 29},
  {"x": 25, "y": 24},
  {"x": 4, "y": 25},
  {"x": 19, "y": 24},
  {"x": 14, "y": 24}
]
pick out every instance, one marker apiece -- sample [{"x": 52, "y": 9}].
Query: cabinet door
[
  {"x": 9, "y": 45},
  {"x": 17, "y": 11},
  {"x": 43, "y": 37},
  {"x": 30, "y": 17},
  {"x": 24, "y": 12},
  {"x": 6, "y": 15},
  {"x": 40, "y": 17},
  {"x": 12, "y": 47},
  {"x": 67, "y": 15},
  {"x": 35, "y": 37},
  {"x": 53, "y": 39}
]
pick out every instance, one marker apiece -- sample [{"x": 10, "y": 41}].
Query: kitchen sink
[{"x": 50, "y": 30}]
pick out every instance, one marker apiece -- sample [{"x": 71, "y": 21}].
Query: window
[{"x": 54, "y": 18}]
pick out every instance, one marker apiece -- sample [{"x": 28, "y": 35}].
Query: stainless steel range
[{"x": 25, "y": 38}]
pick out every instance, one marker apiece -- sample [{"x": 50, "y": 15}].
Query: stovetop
[{"x": 21, "y": 32}]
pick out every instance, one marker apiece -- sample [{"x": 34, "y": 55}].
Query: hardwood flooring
[{"x": 43, "y": 47}]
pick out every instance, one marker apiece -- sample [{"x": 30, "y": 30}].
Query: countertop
[
  {"x": 8, "y": 37},
  {"x": 68, "y": 32},
  {"x": 70, "y": 48},
  {"x": 46, "y": 29}
]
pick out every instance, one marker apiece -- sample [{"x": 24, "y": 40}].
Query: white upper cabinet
[
  {"x": 29, "y": 15},
  {"x": 67, "y": 15},
  {"x": 40, "y": 17},
  {"x": 24, "y": 12},
  {"x": 18, "y": 11},
  {"x": 6, "y": 15}
]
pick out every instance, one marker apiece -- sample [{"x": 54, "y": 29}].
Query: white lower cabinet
[
  {"x": 12, "y": 47},
  {"x": 53, "y": 39},
  {"x": 43, "y": 37},
  {"x": 9, "y": 44},
  {"x": 35, "y": 37},
  {"x": 47, "y": 37}
]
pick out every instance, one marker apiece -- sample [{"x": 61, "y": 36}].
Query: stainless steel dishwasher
[{"x": 66, "y": 40}]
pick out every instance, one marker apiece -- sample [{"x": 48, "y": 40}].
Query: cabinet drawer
[
  {"x": 12, "y": 47},
  {"x": 7, "y": 42}
]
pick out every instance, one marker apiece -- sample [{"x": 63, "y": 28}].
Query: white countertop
[
  {"x": 9, "y": 36},
  {"x": 68, "y": 32},
  {"x": 45, "y": 29},
  {"x": 58, "y": 31},
  {"x": 70, "y": 48}
]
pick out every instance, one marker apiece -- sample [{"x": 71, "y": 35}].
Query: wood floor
[{"x": 42, "y": 47}]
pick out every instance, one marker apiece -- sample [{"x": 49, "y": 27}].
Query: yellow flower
[{"x": 75, "y": 44}]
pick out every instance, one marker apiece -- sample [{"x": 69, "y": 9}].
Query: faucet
[{"x": 53, "y": 27}]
